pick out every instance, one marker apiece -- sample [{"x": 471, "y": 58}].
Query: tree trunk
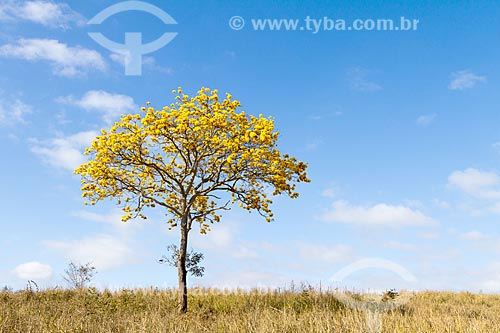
[{"x": 181, "y": 266}]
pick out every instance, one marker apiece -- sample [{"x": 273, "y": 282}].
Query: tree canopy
[{"x": 179, "y": 156}]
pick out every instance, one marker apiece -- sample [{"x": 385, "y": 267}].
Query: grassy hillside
[{"x": 151, "y": 310}]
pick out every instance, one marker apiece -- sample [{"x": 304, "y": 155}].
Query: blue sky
[{"x": 400, "y": 129}]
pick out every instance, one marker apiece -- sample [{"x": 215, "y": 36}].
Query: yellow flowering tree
[{"x": 194, "y": 159}]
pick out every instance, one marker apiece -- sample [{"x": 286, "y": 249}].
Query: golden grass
[{"x": 153, "y": 310}]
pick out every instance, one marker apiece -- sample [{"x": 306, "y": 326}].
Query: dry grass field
[{"x": 306, "y": 310}]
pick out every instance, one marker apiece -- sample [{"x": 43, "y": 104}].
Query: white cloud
[
  {"x": 496, "y": 145},
  {"x": 243, "y": 252},
  {"x": 480, "y": 184},
  {"x": 412, "y": 203},
  {"x": 429, "y": 235},
  {"x": 65, "y": 60},
  {"x": 110, "y": 105},
  {"x": 12, "y": 113},
  {"x": 329, "y": 192},
  {"x": 47, "y": 13},
  {"x": 223, "y": 239},
  {"x": 219, "y": 238},
  {"x": 474, "y": 236},
  {"x": 64, "y": 152},
  {"x": 494, "y": 208},
  {"x": 103, "y": 251},
  {"x": 377, "y": 215},
  {"x": 112, "y": 219},
  {"x": 427, "y": 119},
  {"x": 121, "y": 58},
  {"x": 464, "y": 80},
  {"x": 396, "y": 245},
  {"x": 441, "y": 203},
  {"x": 33, "y": 271},
  {"x": 359, "y": 81},
  {"x": 4, "y": 12},
  {"x": 490, "y": 278},
  {"x": 329, "y": 254}
]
